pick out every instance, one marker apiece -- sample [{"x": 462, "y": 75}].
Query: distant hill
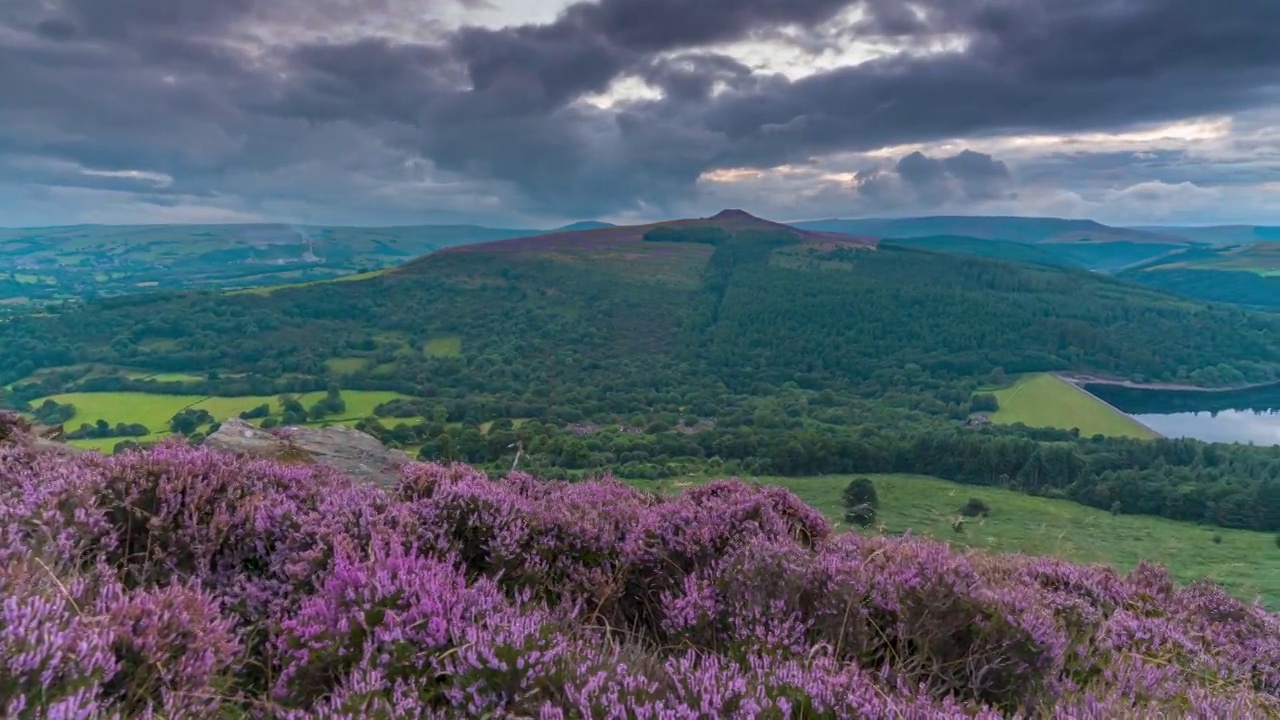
[
  {"x": 584, "y": 225},
  {"x": 1014, "y": 229},
  {"x": 627, "y": 249},
  {"x": 1221, "y": 234},
  {"x": 1232, "y": 264},
  {"x": 40, "y": 264},
  {"x": 1001, "y": 249},
  {"x": 1106, "y": 257},
  {"x": 87, "y": 260}
]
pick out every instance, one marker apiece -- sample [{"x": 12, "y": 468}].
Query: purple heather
[{"x": 178, "y": 582}]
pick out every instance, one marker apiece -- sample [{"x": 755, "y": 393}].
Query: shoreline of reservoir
[
  {"x": 1080, "y": 380},
  {"x": 1080, "y": 387}
]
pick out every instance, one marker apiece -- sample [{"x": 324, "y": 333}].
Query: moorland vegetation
[{"x": 177, "y": 582}]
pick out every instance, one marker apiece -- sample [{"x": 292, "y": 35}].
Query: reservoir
[{"x": 1238, "y": 416}]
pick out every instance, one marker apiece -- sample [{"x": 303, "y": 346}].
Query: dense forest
[
  {"x": 1236, "y": 286},
  {"x": 779, "y": 357}
]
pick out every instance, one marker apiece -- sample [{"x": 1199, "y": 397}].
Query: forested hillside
[
  {"x": 1238, "y": 265},
  {"x": 728, "y": 344},
  {"x": 1015, "y": 229},
  {"x": 1246, "y": 274}
]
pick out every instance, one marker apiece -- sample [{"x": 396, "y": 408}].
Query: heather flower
[
  {"x": 54, "y": 659},
  {"x": 173, "y": 646},
  {"x": 179, "y": 583}
]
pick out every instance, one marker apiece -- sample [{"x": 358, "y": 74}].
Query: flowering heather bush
[{"x": 180, "y": 583}]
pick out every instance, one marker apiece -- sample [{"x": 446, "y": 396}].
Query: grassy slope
[
  {"x": 1246, "y": 563},
  {"x": 450, "y": 346},
  {"x": 345, "y": 366},
  {"x": 1043, "y": 400}
]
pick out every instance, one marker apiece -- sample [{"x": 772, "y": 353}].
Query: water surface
[{"x": 1244, "y": 416}]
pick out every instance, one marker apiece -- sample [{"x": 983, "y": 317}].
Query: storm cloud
[{"x": 395, "y": 111}]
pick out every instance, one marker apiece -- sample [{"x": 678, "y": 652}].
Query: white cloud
[
  {"x": 157, "y": 179},
  {"x": 627, "y": 88},
  {"x": 798, "y": 53}
]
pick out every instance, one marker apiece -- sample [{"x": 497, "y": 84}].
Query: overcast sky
[{"x": 536, "y": 112}]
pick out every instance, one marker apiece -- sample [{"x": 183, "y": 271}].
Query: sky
[{"x": 532, "y": 113}]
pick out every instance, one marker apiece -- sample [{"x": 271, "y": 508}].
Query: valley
[
  {"x": 727, "y": 345},
  {"x": 58, "y": 263},
  {"x": 669, "y": 355},
  {"x": 639, "y": 360}
]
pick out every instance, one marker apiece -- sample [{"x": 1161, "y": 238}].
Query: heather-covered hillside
[{"x": 182, "y": 583}]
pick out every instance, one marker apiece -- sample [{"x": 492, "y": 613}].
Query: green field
[
  {"x": 345, "y": 366},
  {"x": 1246, "y": 563},
  {"x": 155, "y": 410},
  {"x": 360, "y": 403},
  {"x": 1043, "y": 400},
  {"x": 165, "y": 377},
  {"x": 443, "y": 347},
  {"x": 485, "y": 426},
  {"x": 107, "y": 445}
]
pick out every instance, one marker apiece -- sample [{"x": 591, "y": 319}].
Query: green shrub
[
  {"x": 984, "y": 402},
  {"x": 863, "y": 515},
  {"x": 860, "y": 491}
]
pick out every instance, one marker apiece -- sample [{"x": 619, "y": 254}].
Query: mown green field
[
  {"x": 155, "y": 410},
  {"x": 1246, "y": 563},
  {"x": 107, "y": 445},
  {"x": 1043, "y": 400}
]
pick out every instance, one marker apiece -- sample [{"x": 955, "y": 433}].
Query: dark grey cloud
[
  {"x": 128, "y": 18},
  {"x": 693, "y": 76},
  {"x": 971, "y": 175},
  {"x": 213, "y": 92},
  {"x": 919, "y": 180},
  {"x": 649, "y": 26}
]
